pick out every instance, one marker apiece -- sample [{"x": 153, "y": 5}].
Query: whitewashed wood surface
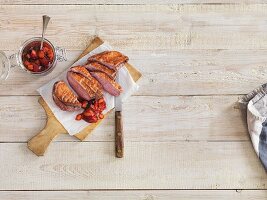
[{"x": 185, "y": 135}]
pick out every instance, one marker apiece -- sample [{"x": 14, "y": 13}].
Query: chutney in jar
[{"x": 36, "y": 60}]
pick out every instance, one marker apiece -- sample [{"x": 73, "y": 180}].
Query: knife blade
[{"x": 119, "y": 140}]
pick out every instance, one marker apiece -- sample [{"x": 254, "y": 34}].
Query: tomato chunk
[
  {"x": 79, "y": 117},
  {"x": 93, "y": 110},
  {"x": 41, "y": 54},
  {"x": 84, "y": 104}
]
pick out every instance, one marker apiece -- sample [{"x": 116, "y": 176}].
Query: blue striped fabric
[
  {"x": 255, "y": 106},
  {"x": 263, "y": 145}
]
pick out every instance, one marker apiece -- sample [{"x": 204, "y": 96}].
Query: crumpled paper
[{"x": 67, "y": 119}]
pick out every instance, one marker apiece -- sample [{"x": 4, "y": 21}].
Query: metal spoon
[{"x": 45, "y": 22}]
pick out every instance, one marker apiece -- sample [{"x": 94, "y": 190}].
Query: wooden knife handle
[{"x": 119, "y": 143}]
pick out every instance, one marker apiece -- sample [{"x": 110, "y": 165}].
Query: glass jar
[{"x": 6, "y": 63}]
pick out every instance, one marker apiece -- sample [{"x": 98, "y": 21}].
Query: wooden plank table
[{"x": 185, "y": 138}]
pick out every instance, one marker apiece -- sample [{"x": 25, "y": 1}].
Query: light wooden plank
[
  {"x": 146, "y": 165},
  {"x": 137, "y": 195},
  {"x": 182, "y": 72},
  {"x": 218, "y": 26},
  {"x": 131, "y": 2},
  {"x": 210, "y": 118}
]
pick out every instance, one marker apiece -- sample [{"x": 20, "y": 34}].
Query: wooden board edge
[
  {"x": 136, "y": 75},
  {"x": 96, "y": 42},
  {"x": 89, "y": 129},
  {"x": 51, "y": 116}
]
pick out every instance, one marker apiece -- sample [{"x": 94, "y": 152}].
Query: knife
[{"x": 119, "y": 142}]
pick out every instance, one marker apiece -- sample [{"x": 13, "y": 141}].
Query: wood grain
[
  {"x": 119, "y": 135},
  {"x": 127, "y": 2},
  {"x": 39, "y": 143},
  {"x": 185, "y": 72},
  {"x": 220, "y": 26},
  {"x": 212, "y": 118},
  {"x": 137, "y": 195},
  {"x": 195, "y": 47},
  {"x": 201, "y": 165}
]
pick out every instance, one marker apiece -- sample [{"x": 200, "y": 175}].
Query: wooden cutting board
[{"x": 40, "y": 142}]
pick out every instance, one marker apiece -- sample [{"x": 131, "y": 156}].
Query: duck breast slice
[
  {"x": 64, "y": 98},
  {"x": 111, "y": 59},
  {"x": 97, "y": 67},
  {"x": 108, "y": 84},
  {"x": 92, "y": 83},
  {"x": 81, "y": 85}
]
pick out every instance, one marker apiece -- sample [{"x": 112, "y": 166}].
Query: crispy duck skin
[
  {"x": 97, "y": 67},
  {"x": 81, "y": 85},
  {"x": 95, "y": 86},
  {"x": 108, "y": 84},
  {"x": 111, "y": 59},
  {"x": 64, "y": 98}
]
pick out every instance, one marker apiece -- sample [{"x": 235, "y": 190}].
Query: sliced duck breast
[
  {"x": 80, "y": 85},
  {"x": 111, "y": 59},
  {"x": 64, "y": 98},
  {"x": 97, "y": 67},
  {"x": 108, "y": 84},
  {"x": 93, "y": 83}
]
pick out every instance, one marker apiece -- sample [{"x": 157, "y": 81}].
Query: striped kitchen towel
[{"x": 255, "y": 103}]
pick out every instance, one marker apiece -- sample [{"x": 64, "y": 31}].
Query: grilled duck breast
[
  {"x": 80, "y": 85},
  {"x": 64, "y": 98},
  {"x": 95, "y": 85},
  {"x": 97, "y": 67},
  {"x": 111, "y": 59},
  {"x": 84, "y": 84},
  {"x": 108, "y": 84}
]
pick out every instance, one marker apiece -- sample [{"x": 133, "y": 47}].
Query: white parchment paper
[{"x": 67, "y": 119}]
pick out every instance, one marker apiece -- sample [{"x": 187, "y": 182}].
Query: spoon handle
[{"x": 45, "y": 23}]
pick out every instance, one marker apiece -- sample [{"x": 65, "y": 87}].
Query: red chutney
[{"x": 37, "y": 60}]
